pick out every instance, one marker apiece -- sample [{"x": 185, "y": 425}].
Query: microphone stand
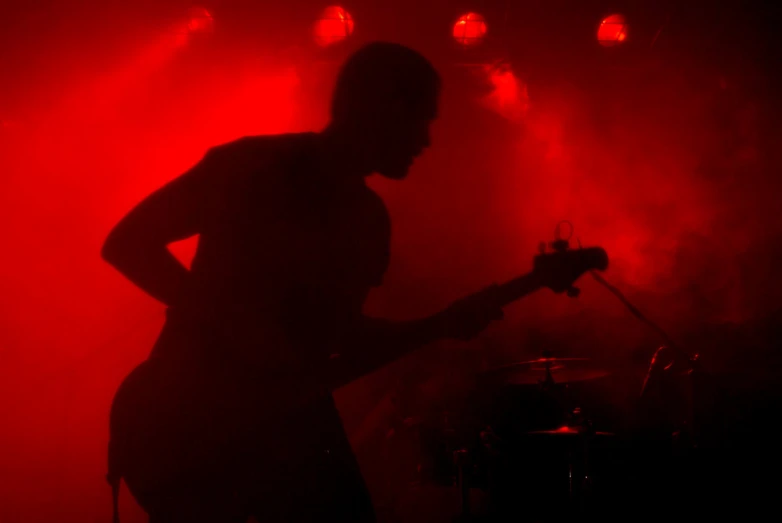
[{"x": 680, "y": 357}]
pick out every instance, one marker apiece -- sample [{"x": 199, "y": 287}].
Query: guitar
[
  {"x": 162, "y": 415},
  {"x": 557, "y": 270}
]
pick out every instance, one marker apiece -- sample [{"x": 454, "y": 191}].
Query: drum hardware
[
  {"x": 580, "y": 479},
  {"x": 462, "y": 461}
]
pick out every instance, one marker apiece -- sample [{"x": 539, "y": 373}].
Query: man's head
[{"x": 386, "y": 98}]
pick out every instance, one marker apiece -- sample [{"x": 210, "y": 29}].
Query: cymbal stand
[
  {"x": 462, "y": 461},
  {"x": 692, "y": 388},
  {"x": 547, "y": 385},
  {"x": 579, "y": 496},
  {"x": 691, "y": 360}
]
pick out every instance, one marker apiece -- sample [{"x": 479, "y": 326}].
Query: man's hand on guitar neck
[{"x": 467, "y": 317}]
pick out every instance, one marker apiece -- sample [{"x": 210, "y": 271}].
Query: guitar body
[
  {"x": 174, "y": 421},
  {"x": 157, "y": 427},
  {"x": 171, "y": 423}
]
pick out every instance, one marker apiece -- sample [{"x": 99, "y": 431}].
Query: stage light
[
  {"x": 469, "y": 29},
  {"x": 200, "y": 21},
  {"x": 334, "y": 25},
  {"x": 612, "y": 31}
]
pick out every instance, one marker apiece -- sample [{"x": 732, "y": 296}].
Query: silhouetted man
[{"x": 232, "y": 414}]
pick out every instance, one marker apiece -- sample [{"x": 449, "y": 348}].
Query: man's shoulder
[
  {"x": 260, "y": 147},
  {"x": 254, "y": 159}
]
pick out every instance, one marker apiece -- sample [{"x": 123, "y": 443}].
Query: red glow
[
  {"x": 509, "y": 97},
  {"x": 469, "y": 29},
  {"x": 77, "y": 153},
  {"x": 612, "y": 31},
  {"x": 334, "y": 25},
  {"x": 201, "y": 20},
  {"x": 129, "y": 105}
]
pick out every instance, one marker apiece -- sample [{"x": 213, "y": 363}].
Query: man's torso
[{"x": 295, "y": 248}]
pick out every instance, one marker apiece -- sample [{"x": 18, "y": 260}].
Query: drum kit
[
  {"x": 552, "y": 472},
  {"x": 572, "y": 439},
  {"x": 537, "y": 455}
]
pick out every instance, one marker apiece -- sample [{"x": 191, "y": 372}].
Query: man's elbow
[
  {"x": 119, "y": 248},
  {"x": 113, "y": 249}
]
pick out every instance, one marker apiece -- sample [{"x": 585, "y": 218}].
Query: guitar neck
[
  {"x": 517, "y": 288},
  {"x": 344, "y": 370}
]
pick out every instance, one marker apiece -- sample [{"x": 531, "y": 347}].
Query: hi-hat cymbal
[
  {"x": 560, "y": 370},
  {"x": 569, "y": 431}
]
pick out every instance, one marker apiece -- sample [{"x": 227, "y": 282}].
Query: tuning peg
[
  {"x": 560, "y": 245},
  {"x": 542, "y": 247},
  {"x": 573, "y": 292}
]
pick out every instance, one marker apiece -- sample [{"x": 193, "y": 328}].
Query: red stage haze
[{"x": 667, "y": 169}]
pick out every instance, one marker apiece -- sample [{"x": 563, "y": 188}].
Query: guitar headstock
[{"x": 560, "y": 267}]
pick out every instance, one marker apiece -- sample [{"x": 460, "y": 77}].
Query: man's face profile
[
  {"x": 385, "y": 99},
  {"x": 403, "y": 134}
]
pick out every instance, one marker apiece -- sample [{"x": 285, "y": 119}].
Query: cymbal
[
  {"x": 562, "y": 370},
  {"x": 569, "y": 431}
]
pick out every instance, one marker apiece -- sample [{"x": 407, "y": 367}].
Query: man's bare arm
[
  {"x": 377, "y": 342},
  {"x": 138, "y": 245}
]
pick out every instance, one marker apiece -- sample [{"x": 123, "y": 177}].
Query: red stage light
[
  {"x": 469, "y": 29},
  {"x": 334, "y": 25},
  {"x": 612, "y": 31},
  {"x": 201, "y": 20}
]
